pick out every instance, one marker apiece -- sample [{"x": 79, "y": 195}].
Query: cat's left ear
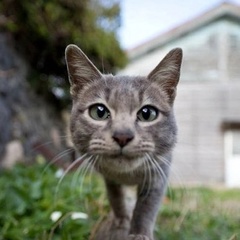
[
  {"x": 80, "y": 69},
  {"x": 167, "y": 73}
]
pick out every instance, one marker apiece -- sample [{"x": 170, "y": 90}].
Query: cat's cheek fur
[{"x": 166, "y": 135}]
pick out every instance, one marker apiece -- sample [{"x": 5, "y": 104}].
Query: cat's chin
[{"x": 121, "y": 163}]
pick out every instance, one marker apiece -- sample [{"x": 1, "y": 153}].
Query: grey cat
[{"x": 125, "y": 126}]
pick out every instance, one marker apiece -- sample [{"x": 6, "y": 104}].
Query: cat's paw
[{"x": 137, "y": 237}]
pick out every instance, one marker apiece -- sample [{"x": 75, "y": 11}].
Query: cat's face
[{"x": 122, "y": 120}]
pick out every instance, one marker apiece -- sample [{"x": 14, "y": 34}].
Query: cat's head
[{"x": 122, "y": 120}]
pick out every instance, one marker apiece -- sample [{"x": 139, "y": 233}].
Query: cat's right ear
[
  {"x": 80, "y": 69},
  {"x": 166, "y": 74}
]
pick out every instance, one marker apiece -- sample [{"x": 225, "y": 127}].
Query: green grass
[
  {"x": 200, "y": 214},
  {"x": 30, "y": 194}
]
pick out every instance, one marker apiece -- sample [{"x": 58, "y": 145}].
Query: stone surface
[{"x": 25, "y": 117}]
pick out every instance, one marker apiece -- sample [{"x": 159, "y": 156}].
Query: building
[{"x": 208, "y": 101}]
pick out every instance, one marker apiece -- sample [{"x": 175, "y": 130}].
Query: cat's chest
[{"x": 125, "y": 179}]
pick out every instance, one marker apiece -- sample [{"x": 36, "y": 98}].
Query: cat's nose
[{"x": 123, "y": 138}]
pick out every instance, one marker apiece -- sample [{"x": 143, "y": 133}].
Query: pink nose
[{"x": 123, "y": 138}]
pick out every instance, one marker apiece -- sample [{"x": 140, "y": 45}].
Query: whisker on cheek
[
  {"x": 85, "y": 170},
  {"x": 78, "y": 162},
  {"x": 147, "y": 181},
  {"x": 77, "y": 173},
  {"x": 38, "y": 145},
  {"x": 174, "y": 172},
  {"x": 91, "y": 170},
  {"x": 157, "y": 168},
  {"x": 145, "y": 175},
  {"x": 58, "y": 158}
]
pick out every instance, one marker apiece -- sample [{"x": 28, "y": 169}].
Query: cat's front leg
[
  {"x": 146, "y": 209},
  {"x": 116, "y": 198}
]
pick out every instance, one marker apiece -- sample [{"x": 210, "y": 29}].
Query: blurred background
[
  {"x": 208, "y": 103},
  {"x": 122, "y": 37}
]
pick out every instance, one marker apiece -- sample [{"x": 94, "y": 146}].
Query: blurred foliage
[
  {"x": 30, "y": 195},
  {"x": 43, "y": 28}
]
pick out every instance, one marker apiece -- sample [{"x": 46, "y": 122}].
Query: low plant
[{"x": 37, "y": 203}]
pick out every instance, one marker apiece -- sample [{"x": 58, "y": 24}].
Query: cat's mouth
[
  {"x": 118, "y": 159},
  {"x": 118, "y": 155},
  {"x": 122, "y": 155}
]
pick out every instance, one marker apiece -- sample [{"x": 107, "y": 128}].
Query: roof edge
[{"x": 223, "y": 9}]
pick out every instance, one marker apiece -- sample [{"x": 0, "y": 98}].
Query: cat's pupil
[
  {"x": 147, "y": 113},
  {"x": 99, "y": 112}
]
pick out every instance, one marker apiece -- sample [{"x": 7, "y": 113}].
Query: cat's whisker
[
  {"x": 164, "y": 160},
  {"x": 91, "y": 170},
  {"x": 57, "y": 158},
  {"x": 50, "y": 142},
  {"x": 158, "y": 168},
  {"x": 79, "y": 162},
  {"x": 149, "y": 174},
  {"x": 78, "y": 173},
  {"x": 168, "y": 163},
  {"x": 182, "y": 186},
  {"x": 163, "y": 175},
  {"x": 37, "y": 145},
  {"x": 80, "y": 170},
  {"x": 153, "y": 165},
  {"x": 145, "y": 175},
  {"x": 85, "y": 170},
  {"x": 151, "y": 179},
  {"x": 173, "y": 171}
]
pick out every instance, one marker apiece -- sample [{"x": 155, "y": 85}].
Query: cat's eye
[
  {"x": 147, "y": 114},
  {"x": 99, "y": 112}
]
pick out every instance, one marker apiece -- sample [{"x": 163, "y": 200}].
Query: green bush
[{"x": 30, "y": 195}]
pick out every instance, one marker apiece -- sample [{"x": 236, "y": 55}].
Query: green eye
[
  {"x": 99, "y": 112},
  {"x": 147, "y": 114}
]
